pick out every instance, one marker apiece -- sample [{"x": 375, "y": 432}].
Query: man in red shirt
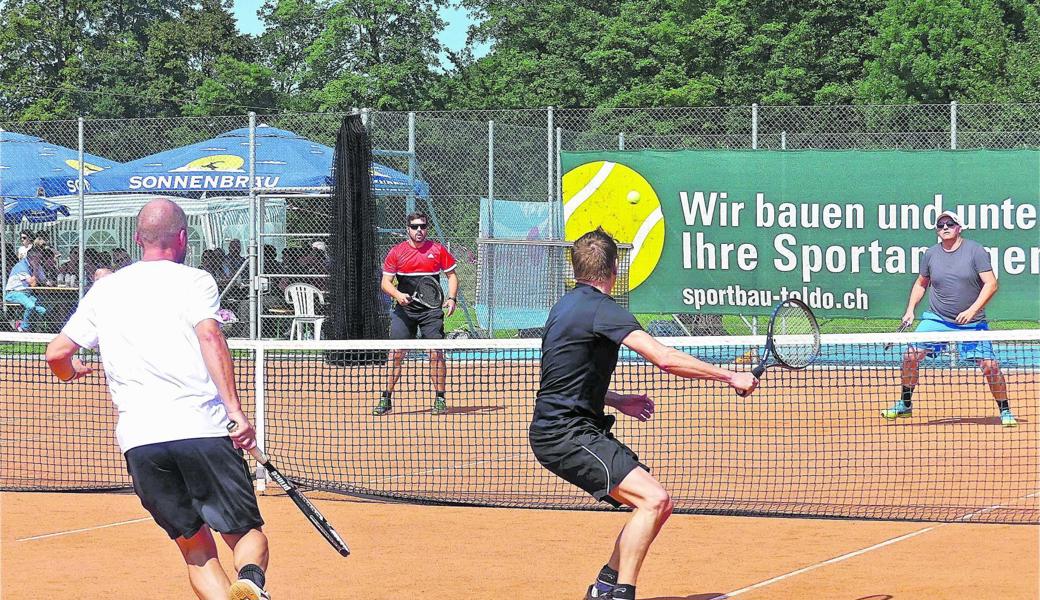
[{"x": 408, "y": 261}]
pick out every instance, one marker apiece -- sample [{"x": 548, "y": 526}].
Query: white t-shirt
[{"x": 142, "y": 319}]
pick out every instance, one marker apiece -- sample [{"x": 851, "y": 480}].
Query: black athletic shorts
[
  {"x": 588, "y": 457},
  {"x": 404, "y": 323},
  {"x": 187, "y": 483}
]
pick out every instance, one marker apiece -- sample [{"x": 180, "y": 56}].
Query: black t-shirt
[{"x": 579, "y": 352}]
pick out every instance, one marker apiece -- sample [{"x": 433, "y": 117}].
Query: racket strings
[{"x": 796, "y": 336}]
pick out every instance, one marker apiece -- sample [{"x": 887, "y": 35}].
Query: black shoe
[
  {"x": 384, "y": 406},
  {"x": 594, "y": 594}
]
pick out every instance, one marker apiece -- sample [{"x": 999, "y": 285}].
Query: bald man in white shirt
[{"x": 172, "y": 380}]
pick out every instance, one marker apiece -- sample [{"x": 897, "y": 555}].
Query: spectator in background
[
  {"x": 68, "y": 272},
  {"x": 321, "y": 250},
  {"x": 105, "y": 259},
  {"x": 212, "y": 263},
  {"x": 26, "y": 238},
  {"x": 271, "y": 262},
  {"x": 26, "y": 274},
  {"x": 91, "y": 263},
  {"x": 273, "y": 265},
  {"x": 291, "y": 260},
  {"x": 234, "y": 259},
  {"x": 312, "y": 262},
  {"x": 121, "y": 258}
]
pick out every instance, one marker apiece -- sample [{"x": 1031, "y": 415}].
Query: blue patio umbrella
[
  {"x": 284, "y": 160},
  {"x": 32, "y": 167},
  {"x": 33, "y": 210}
]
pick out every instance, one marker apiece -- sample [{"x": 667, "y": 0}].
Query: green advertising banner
[{"x": 736, "y": 231}]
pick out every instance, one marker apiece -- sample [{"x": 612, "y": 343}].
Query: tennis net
[{"x": 807, "y": 443}]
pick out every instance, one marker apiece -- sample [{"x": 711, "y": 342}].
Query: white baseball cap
[{"x": 952, "y": 216}]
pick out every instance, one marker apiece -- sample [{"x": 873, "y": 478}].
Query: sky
[{"x": 453, "y": 37}]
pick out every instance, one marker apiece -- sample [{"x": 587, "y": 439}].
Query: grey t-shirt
[{"x": 954, "y": 278}]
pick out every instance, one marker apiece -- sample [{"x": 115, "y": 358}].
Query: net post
[{"x": 258, "y": 412}]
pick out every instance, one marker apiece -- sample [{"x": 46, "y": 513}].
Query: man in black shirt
[{"x": 570, "y": 434}]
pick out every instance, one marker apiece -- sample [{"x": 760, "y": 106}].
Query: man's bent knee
[{"x": 661, "y": 504}]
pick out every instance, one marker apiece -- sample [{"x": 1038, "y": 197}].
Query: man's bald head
[{"x": 162, "y": 225}]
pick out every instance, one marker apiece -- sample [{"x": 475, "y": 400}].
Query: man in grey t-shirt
[{"x": 961, "y": 279}]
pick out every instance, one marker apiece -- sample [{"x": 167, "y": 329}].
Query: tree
[
  {"x": 291, "y": 27},
  {"x": 185, "y": 52},
  {"x": 935, "y": 51},
  {"x": 380, "y": 54}
]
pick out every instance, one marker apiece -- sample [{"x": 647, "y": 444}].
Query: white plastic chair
[{"x": 301, "y": 297}]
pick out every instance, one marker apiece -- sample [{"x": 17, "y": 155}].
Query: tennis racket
[
  {"x": 309, "y": 510},
  {"x": 792, "y": 340},
  {"x": 428, "y": 292},
  {"x": 902, "y": 327}
]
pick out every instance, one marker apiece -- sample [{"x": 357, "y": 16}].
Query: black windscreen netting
[{"x": 357, "y": 308}]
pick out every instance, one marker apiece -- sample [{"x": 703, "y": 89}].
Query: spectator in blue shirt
[{"x": 25, "y": 275}]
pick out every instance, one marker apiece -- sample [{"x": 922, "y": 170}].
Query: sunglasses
[
  {"x": 946, "y": 225},
  {"x": 414, "y": 226}
]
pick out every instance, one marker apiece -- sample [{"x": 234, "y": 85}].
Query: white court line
[
  {"x": 855, "y": 553},
  {"x": 84, "y": 530},
  {"x": 829, "y": 561}
]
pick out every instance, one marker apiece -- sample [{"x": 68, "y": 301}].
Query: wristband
[{"x": 452, "y": 298}]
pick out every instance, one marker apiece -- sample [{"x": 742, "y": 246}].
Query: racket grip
[
  {"x": 757, "y": 373},
  {"x": 744, "y": 394},
  {"x": 255, "y": 451}
]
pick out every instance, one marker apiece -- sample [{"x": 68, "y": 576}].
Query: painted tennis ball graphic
[{"x": 600, "y": 194}]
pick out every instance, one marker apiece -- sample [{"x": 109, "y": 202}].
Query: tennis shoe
[
  {"x": 440, "y": 406},
  {"x": 17, "y": 326},
  {"x": 384, "y": 406},
  {"x": 244, "y": 589},
  {"x": 899, "y": 410},
  {"x": 594, "y": 593},
  {"x": 1007, "y": 419}
]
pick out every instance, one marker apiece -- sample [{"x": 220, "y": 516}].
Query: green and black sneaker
[
  {"x": 440, "y": 406},
  {"x": 384, "y": 406}
]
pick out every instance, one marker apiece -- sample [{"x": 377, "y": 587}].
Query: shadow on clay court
[
  {"x": 709, "y": 596},
  {"x": 722, "y": 596},
  {"x": 988, "y": 421},
  {"x": 452, "y": 410}
]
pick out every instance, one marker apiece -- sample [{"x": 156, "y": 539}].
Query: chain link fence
[{"x": 253, "y": 185}]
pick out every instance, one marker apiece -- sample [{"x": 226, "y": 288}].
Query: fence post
[
  {"x": 80, "y": 226},
  {"x": 783, "y": 140},
  {"x": 559, "y": 180},
  {"x": 491, "y": 232},
  {"x": 621, "y": 140},
  {"x": 553, "y": 226},
  {"x": 254, "y": 313},
  {"x": 953, "y": 125},
  {"x": 754, "y": 126},
  {"x": 491, "y": 179},
  {"x": 410, "y": 201}
]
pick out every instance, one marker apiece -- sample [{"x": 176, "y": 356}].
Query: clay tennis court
[{"x": 807, "y": 443}]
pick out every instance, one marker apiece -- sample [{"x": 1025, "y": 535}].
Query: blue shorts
[{"x": 968, "y": 350}]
